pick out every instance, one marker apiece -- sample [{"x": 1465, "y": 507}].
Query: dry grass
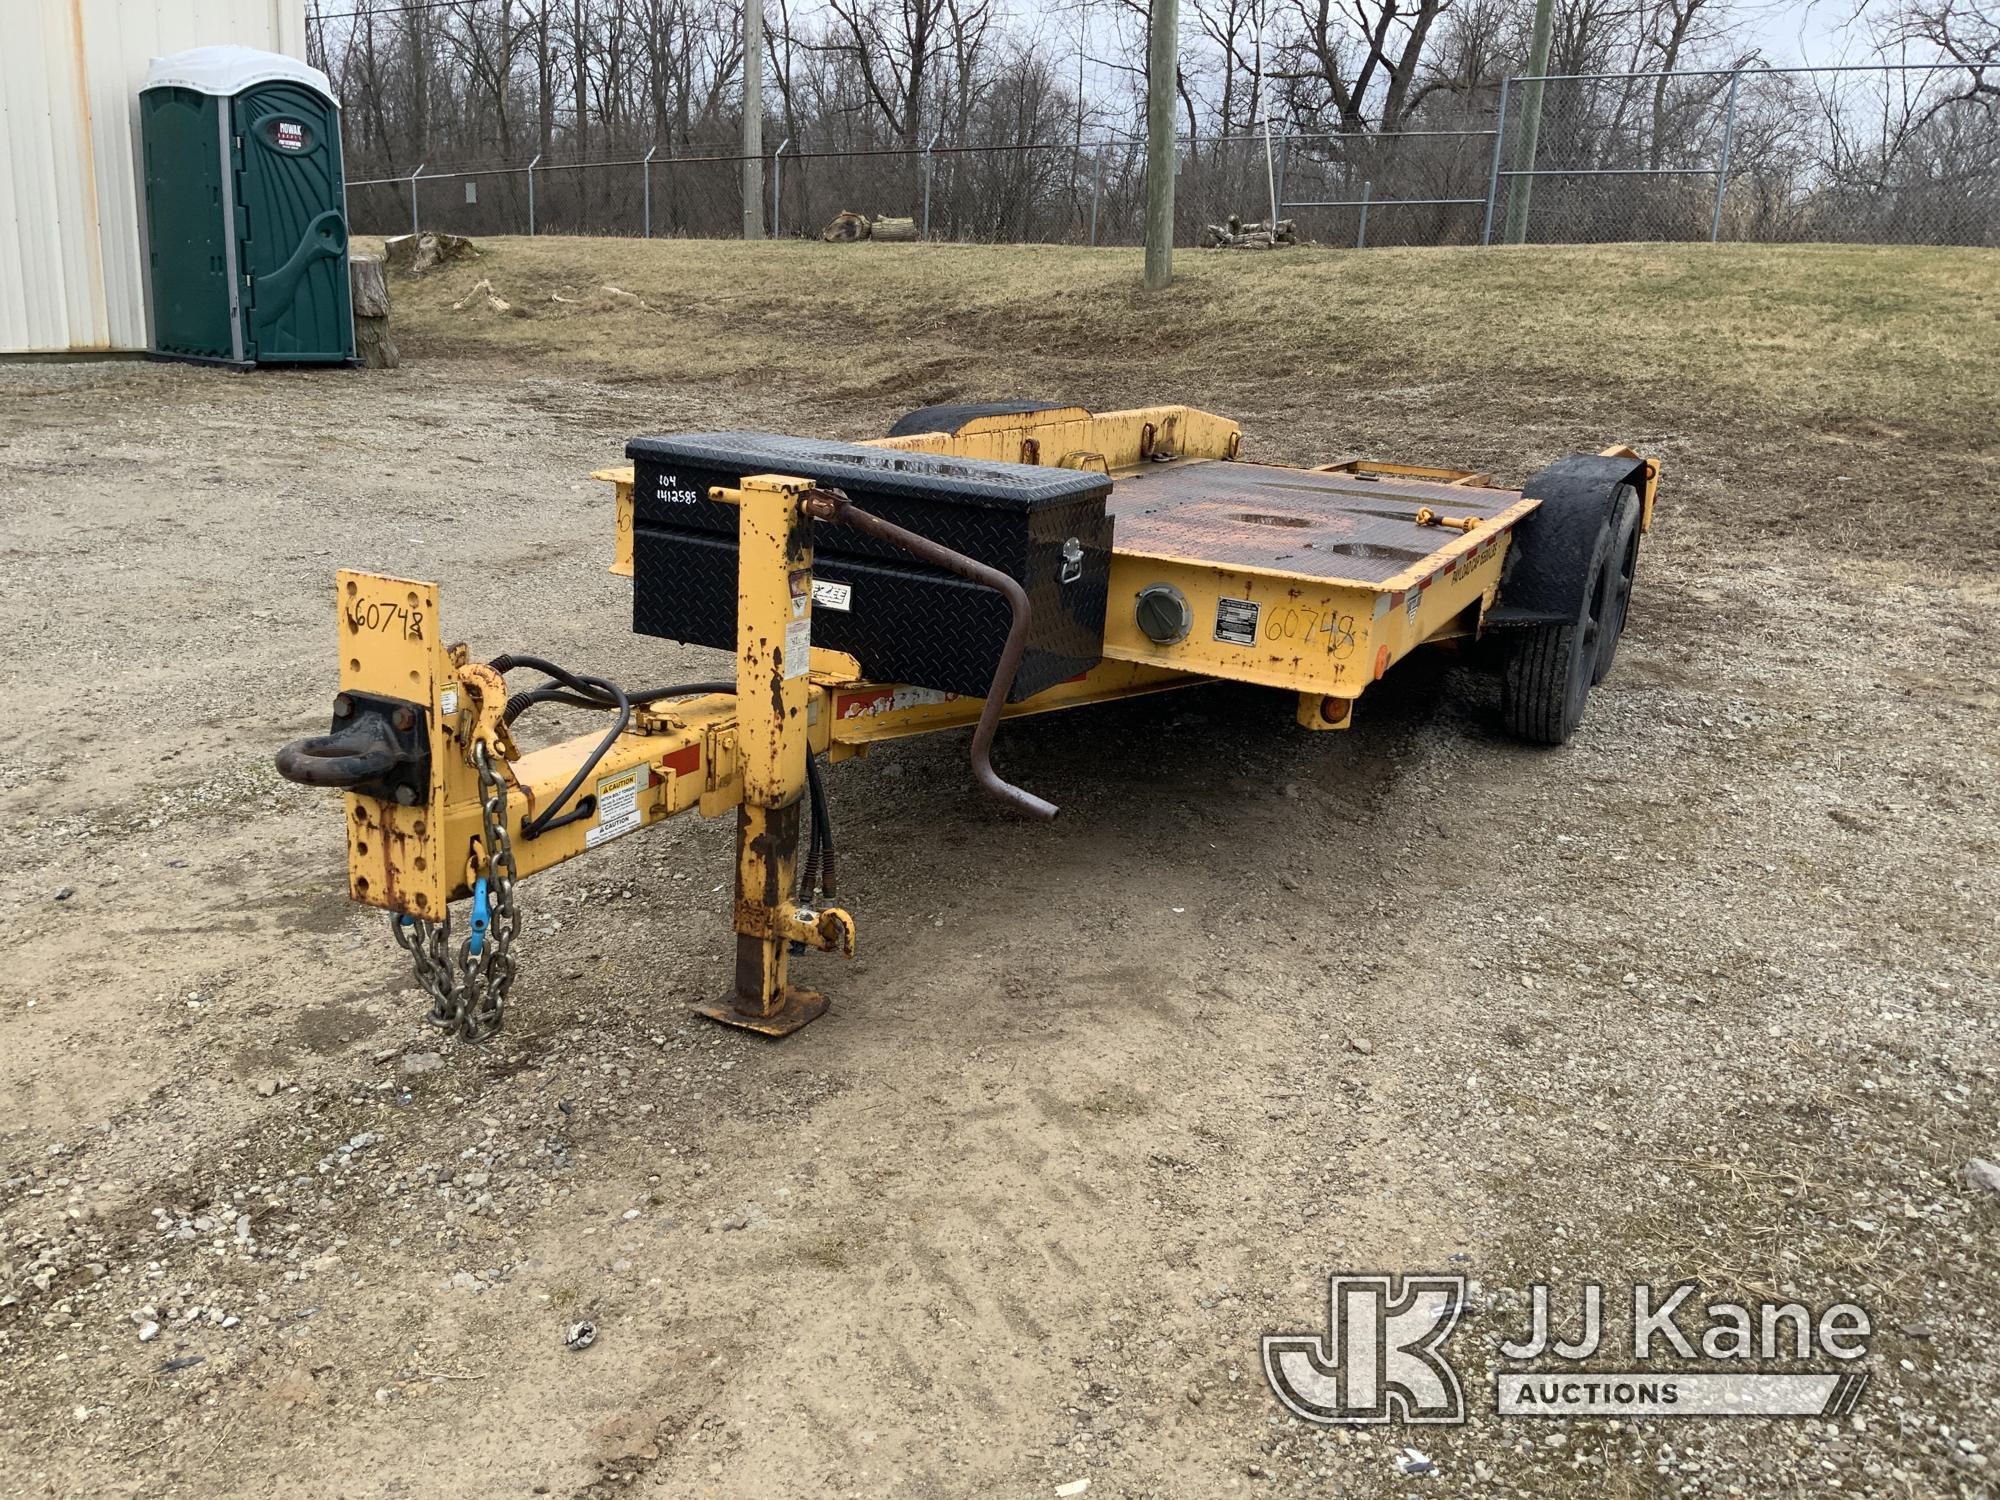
[{"x": 1793, "y": 355}]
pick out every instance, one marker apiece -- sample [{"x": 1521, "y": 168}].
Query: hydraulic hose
[
  {"x": 519, "y": 703},
  {"x": 582, "y": 691},
  {"x": 819, "y": 844},
  {"x": 597, "y": 689}
]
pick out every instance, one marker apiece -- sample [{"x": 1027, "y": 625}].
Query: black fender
[
  {"x": 1547, "y": 573},
  {"x": 949, "y": 417}
]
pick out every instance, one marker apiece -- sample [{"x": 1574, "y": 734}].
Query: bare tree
[
  {"x": 1012, "y": 98},
  {"x": 892, "y": 45},
  {"x": 485, "y": 45},
  {"x": 1339, "y": 53},
  {"x": 1235, "y": 32},
  {"x": 1969, "y": 34}
]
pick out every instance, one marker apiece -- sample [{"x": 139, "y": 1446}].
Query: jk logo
[{"x": 1379, "y": 1360}]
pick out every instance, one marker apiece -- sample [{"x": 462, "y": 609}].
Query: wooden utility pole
[
  {"x": 1521, "y": 189},
  {"x": 1162, "y": 72},
  {"x": 753, "y": 119}
]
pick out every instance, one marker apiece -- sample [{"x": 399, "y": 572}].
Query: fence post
[
  {"x": 1493, "y": 179},
  {"x": 777, "y": 184},
  {"x": 413, "y": 196},
  {"x": 1271, "y": 175},
  {"x": 646, "y": 192},
  {"x": 531, "y": 192},
  {"x": 1284, "y": 163},
  {"x": 927, "y": 193},
  {"x": 1722, "y": 167},
  {"x": 1361, "y": 234},
  {"x": 1096, "y": 187}
]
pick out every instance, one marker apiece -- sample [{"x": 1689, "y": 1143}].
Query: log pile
[
  {"x": 414, "y": 254},
  {"x": 848, "y": 227},
  {"x": 1237, "y": 235},
  {"x": 369, "y": 289}
]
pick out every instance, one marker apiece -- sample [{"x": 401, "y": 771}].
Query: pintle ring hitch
[
  {"x": 377, "y": 747},
  {"x": 347, "y": 759}
]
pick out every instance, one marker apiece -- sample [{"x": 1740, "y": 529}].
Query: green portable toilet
[{"x": 246, "y": 227}]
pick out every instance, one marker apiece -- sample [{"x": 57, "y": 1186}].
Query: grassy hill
[{"x": 1865, "y": 374}]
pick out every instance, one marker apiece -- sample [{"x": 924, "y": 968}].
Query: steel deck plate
[{"x": 1300, "y": 521}]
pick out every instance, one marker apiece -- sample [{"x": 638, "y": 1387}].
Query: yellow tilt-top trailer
[{"x": 1090, "y": 557}]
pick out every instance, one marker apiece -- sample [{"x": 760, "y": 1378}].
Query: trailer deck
[
  {"x": 1315, "y": 580},
  {"x": 1330, "y": 525}
]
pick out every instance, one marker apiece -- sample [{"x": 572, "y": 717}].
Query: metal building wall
[{"x": 71, "y": 261}]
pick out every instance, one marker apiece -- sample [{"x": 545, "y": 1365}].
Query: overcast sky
[{"x": 1821, "y": 32}]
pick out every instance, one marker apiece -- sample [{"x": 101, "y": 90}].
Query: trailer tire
[
  {"x": 1616, "y": 581},
  {"x": 1551, "y": 666},
  {"x": 948, "y": 417}
]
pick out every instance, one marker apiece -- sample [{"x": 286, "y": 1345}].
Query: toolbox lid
[{"x": 980, "y": 483}]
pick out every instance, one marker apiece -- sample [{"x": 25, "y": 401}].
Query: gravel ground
[{"x": 1708, "y": 994}]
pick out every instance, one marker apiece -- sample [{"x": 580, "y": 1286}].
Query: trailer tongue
[{"x": 981, "y": 564}]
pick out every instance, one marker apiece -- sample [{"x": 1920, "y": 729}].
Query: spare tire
[{"x": 948, "y": 417}]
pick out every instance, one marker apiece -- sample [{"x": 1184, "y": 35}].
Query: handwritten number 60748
[{"x": 383, "y": 618}]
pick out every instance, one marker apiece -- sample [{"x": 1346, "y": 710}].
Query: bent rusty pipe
[
  {"x": 832, "y": 505},
  {"x": 348, "y": 759}
]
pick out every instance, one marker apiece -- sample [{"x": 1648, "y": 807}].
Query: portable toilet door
[{"x": 246, "y": 223}]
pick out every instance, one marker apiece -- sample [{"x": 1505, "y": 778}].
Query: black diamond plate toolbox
[{"x": 904, "y": 621}]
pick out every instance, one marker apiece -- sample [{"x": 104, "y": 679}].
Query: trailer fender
[{"x": 1548, "y": 569}]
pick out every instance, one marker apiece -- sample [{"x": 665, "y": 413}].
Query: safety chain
[
  {"x": 470, "y": 996},
  {"x": 429, "y": 947}
]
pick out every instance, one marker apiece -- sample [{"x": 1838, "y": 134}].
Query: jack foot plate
[{"x": 799, "y": 1007}]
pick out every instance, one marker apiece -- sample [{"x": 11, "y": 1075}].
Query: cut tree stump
[
  {"x": 369, "y": 287},
  {"x": 892, "y": 229},
  {"x": 414, "y": 254},
  {"x": 844, "y": 228}
]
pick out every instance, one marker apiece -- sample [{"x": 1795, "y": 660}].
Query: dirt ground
[{"x": 1708, "y": 994}]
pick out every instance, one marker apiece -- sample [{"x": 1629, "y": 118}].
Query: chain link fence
[
  {"x": 1899, "y": 154},
  {"x": 1892, "y": 154}
]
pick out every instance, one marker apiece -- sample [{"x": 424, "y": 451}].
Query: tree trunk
[{"x": 370, "y": 290}]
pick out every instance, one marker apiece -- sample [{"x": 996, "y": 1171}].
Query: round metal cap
[{"x": 1163, "y": 614}]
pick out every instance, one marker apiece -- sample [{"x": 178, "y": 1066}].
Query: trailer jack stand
[
  {"x": 767, "y": 926},
  {"x": 774, "y": 638}
]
